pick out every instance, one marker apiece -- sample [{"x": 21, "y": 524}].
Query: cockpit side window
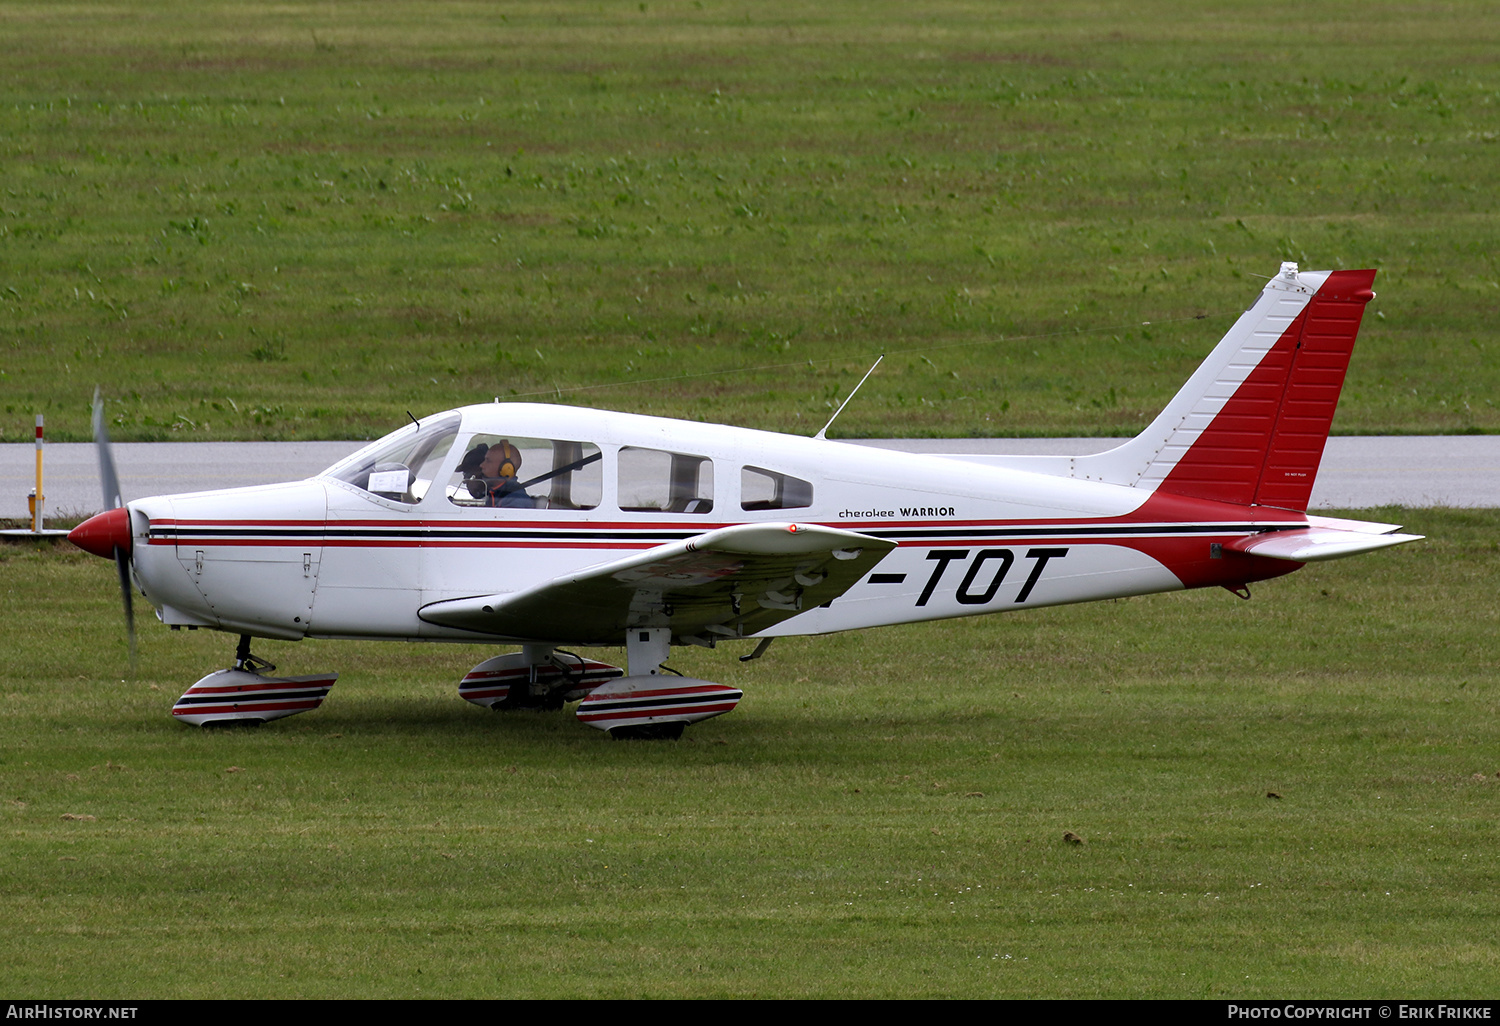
[
  {"x": 768, "y": 489},
  {"x": 401, "y": 466},
  {"x": 512, "y": 472},
  {"x": 657, "y": 481}
]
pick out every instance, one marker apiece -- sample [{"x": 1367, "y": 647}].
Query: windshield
[{"x": 402, "y": 465}]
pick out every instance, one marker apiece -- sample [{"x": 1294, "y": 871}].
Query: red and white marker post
[{"x": 38, "y": 500}]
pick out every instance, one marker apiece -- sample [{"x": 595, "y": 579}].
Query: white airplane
[{"x": 558, "y": 528}]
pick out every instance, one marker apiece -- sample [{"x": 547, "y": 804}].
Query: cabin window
[
  {"x": 767, "y": 489},
  {"x": 512, "y": 472},
  {"x": 401, "y": 466},
  {"x": 656, "y": 481}
]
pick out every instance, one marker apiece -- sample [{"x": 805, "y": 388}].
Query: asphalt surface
[{"x": 1357, "y": 473}]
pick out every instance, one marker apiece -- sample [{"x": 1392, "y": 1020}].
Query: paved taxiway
[{"x": 1357, "y": 473}]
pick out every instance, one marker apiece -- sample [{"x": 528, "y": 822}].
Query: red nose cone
[{"x": 103, "y": 534}]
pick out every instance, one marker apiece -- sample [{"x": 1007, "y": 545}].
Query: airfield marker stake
[
  {"x": 40, "y": 501},
  {"x": 36, "y": 502}
]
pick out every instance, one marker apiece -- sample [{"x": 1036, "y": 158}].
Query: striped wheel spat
[
  {"x": 237, "y": 695},
  {"x": 633, "y": 701},
  {"x": 490, "y": 682}
]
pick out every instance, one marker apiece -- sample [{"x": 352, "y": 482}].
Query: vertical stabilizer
[{"x": 1250, "y": 425}]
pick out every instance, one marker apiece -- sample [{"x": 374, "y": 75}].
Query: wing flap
[{"x": 732, "y": 582}]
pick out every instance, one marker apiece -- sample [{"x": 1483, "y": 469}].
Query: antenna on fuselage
[{"x": 820, "y": 435}]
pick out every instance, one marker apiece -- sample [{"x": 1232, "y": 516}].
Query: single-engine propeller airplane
[{"x": 555, "y": 528}]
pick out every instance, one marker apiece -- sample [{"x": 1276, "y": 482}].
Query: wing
[{"x": 728, "y": 583}]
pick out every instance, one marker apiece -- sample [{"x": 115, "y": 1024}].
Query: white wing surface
[{"x": 728, "y": 583}]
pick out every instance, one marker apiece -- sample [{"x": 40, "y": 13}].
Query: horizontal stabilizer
[
  {"x": 1361, "y": 526},
  {"x": 1313, "y": 544}
]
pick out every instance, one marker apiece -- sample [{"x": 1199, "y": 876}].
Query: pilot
[{"x": 490, "y": 472}]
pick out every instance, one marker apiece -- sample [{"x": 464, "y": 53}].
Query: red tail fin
[{"x": 1264, "y": 446}]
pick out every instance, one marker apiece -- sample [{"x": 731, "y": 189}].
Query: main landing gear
[
  {"x": 537, "y": 677},
  {"x": 651, "y": 703}
]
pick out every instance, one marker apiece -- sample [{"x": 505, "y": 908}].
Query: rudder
[
  {"x": 1250, "y": 425},
  {"x": 1264, "y": 446}
]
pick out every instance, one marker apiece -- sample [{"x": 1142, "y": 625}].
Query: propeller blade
[
  {"x": 107, "y": 476},
  {"x": 122, "y": 564},
  {"x": 113, "y": 499}
]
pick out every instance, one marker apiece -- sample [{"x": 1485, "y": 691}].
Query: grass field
[
  {"x": 253, "y": 220},
  {"x": 250, "y": 220},
  {"x": 882, "y": 816}
]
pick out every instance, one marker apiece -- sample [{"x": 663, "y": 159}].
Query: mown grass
[
  {"x": 275, "y": 221},
  {"x": 882, "y": 816}
]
